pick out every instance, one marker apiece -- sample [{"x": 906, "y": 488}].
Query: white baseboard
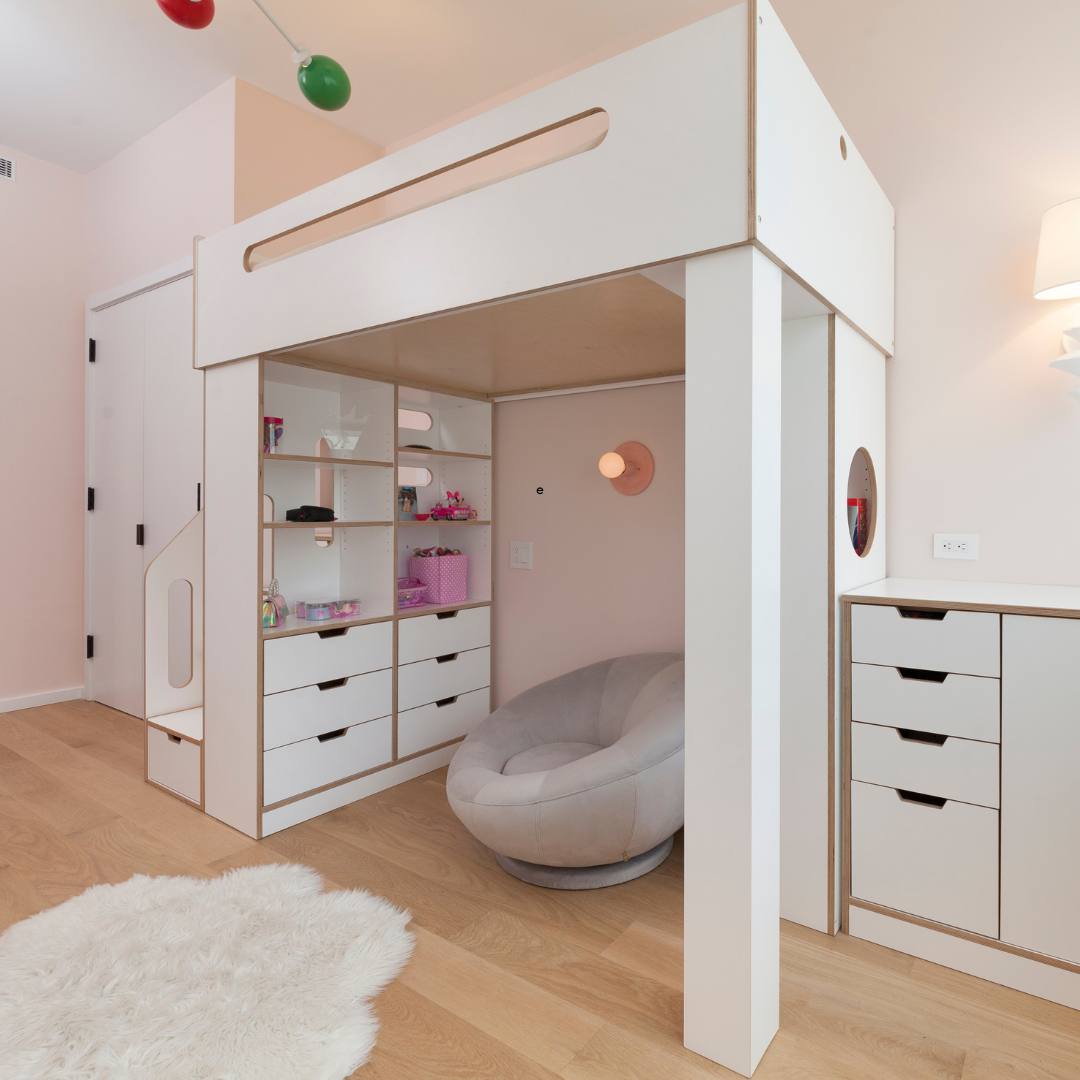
[
  {"x": 32, "y": 701},
  {"x": 982, "y": 961},
  {"x": 304, "y": 809}
]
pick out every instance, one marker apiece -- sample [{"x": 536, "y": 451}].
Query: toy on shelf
[
  {"x": 273, "y": 429},
  {"x": 454, "y": 509},
  {"x": 443, "y": 571},
  {"x": 320, "y": 610},
  {"x": 411, "y": 592},
  {"x": 275, "y": 608}
]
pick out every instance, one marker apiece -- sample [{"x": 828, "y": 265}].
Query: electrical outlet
[
  {"x": 520, "y": 554},
  {"x": 956, "y": 545}
]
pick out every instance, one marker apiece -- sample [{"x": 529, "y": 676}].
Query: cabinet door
[{"x": 1040, "y": 784}]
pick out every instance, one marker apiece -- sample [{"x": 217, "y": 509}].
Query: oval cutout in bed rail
[{"x": 575, "y": 135}]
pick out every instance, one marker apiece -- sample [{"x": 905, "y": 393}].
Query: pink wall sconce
[{"x": 629, "y": 468}]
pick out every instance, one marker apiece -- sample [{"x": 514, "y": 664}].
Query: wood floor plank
[
  {"x": 18, "y": 897},
  {"x": 51, "y": 799},
  {"x": 618, "y": 1054},
  {"x": 543, "y": 1027},
  {"x": 114, "y": 738},
  {"x": 656, "y": 954},
  {"x": 420, "y": 1040},
  {"x": 120, "y": 848}
]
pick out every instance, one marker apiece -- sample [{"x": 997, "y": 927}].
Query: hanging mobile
[
  {"x": 323, "y": 81},
  {"x": 190, "y": 14}
]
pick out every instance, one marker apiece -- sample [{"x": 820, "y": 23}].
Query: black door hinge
[
  {"x": 198, "y": 497},
  {"x": 89, "y": 498},
  {"x": 93, "y": 351},
  {"x": 139, "y": 535},
  {"x": 89, "y": 646}
]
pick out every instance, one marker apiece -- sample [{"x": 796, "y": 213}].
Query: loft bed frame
[{"x": 691, "y": 207}]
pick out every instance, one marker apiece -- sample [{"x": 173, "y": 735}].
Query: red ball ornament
[{"x": 190, "y": 14}]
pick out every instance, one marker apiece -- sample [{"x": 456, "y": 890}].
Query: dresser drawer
[
  {"x": 424, "y": 636},
  {"x": 966, "y": 642},
  {"x": 430, "y": 725},
  {"x": 305, "y": 659},
  {"x": 938, "y": 863},
  {"x": 957, "y": 769},
  {"x": 299, "y": 714},
  {"x": 434, "y": 680},
  {"x": 302, "y": 766},
  {"x": 174, "y": 763},
  {"x": 967, "y": 706}
]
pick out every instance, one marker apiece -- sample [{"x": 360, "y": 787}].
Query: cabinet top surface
[{"x": 1061, "y": 600}]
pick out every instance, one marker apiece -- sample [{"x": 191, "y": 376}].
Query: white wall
[
  {"x": 967, "y": 114},
  {"x": 41, "y": 430},
  {"x": 607, "y": 576}
]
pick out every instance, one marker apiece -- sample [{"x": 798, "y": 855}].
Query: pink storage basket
[{"x": 444, "y": 575}]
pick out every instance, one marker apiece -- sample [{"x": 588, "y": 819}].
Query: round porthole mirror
[{"x": 861, "y": 502}]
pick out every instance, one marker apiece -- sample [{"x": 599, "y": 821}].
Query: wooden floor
[{"x": 507, "y": 980}]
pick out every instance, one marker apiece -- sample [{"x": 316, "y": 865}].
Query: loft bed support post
[{"x": 731, "y": 967}]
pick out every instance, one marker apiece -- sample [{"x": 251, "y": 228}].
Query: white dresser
[{"x": 961, "y": 772}]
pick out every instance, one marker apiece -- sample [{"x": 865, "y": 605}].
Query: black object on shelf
[{"x": 310, "y": 513}]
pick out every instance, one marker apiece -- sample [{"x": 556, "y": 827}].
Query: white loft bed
[{"x": 702, "y": 184}]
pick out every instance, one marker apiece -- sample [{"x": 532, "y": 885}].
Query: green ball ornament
[{"x": 324, "y": 83}]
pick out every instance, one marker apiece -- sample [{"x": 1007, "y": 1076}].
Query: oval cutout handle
[
  {"x": 921, "y": 613},
  {"x": 446, "y": 614},
  {"x": 332, "y": 684},
  {"x": 446, "y": 658},
  {"x": 919, "y": 797},
  {"x": 930, "y": 738},
  {"x": 339, "y": 631},
  {"x": 446, "y": 701},
  {"x": 332, "y": 735},
  {"x": 922, "y": 675}
]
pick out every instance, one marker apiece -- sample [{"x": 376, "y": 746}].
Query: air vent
[{"x": 7, "y": 169}]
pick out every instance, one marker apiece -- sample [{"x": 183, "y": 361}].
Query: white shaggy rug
[{"x": 258, "y": 974}]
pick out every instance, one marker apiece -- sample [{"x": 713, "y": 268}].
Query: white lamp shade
[{"x": 1057, "y": 269}]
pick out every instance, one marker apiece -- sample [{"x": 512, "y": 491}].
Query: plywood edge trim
[
  {"x": 153, "y": 722},
  {"x": 966, "y": 935},
  {"x": 174, "y": 794},
  {"x": 961, "y": 605},
  {"x": 434, "y": 609}
]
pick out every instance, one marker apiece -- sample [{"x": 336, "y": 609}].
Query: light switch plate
[
  {"x": 520, "y": 554},
  {"x": 956, "y": 545}
]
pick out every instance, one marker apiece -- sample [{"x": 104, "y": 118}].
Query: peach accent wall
[
  {"x": 42, "y": 217},
  {"x": 607, "y": 577},
  {"x": 283, "y": 151},
  {"x": 145, "y": 205}
]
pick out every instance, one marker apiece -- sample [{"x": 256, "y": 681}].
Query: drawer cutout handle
[
  {"x": 174, "y": 738},
  {"x": 447, "y": 658},
  {"x": 919, "y": 797},
  {"x": 922, "y": 675},
  {"x": 931, "y": 738},
  {"x": 446, "y": 701},
  {"x": 339, "y": 631},
  {"x": 332, "y": 684},
  {"x": 921, "y": 613},
  {"x": 332, "y": 735},
  {"x": 446, "y": 615}
]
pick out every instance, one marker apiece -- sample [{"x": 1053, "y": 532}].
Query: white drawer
[
  {"x": 302, "y": 766},
  {"x": 956, "y": 769},
  {"x": 299, "y": 714},
  {"x": 434, "y": 680},
  {"x": 333, "y": 653},
  {"x": 424, "y": 636},
  {"x": 174, "y": 763},
  {"x": 967, "y": 642},
  {"x": 967, "y": 706},
  {"x": 938, "y": 863},
  {"x": 430, "y": 725}
]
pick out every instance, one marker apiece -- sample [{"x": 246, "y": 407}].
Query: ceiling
[{"x": 82, "y": 79}]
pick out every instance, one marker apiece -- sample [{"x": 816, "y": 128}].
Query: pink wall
[
  {"x": 145, "y": 205},
  {"x": 42, "y": 217},
  {"x": 607, "y": 577}
]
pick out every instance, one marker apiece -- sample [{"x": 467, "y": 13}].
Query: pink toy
[
  {"x": 411, "y": 592},
  {"x": 444, "y": 575},
  {"x": 454, "y": 509}
]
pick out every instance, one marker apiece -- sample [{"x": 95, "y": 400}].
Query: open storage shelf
[
  {"x": 293, "y": 625},
  {"x": 326, "y": 524},
  {"x": 304, "y": 461}
]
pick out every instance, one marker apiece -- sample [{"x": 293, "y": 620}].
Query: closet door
[
  {"x": 116, "y": 475},
  {"x": 173, "y": 417}
]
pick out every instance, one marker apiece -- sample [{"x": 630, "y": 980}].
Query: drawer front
[
  {"x": 966, "y": 706},
  {"x": 425, "y": 636},
  {"x": 301, "y": 766},
  {"x": 430, "y": 680},
  {"x": 299, "y": 714},
  {"x": 174, "y": 763},
  {"x": 304, "y": 659},
  {"x": 937, "y": 863},
  {"x": 957, "y": 769},
  {"x": 966, "y": 642},
  {"x": 430, "y": 725}
]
